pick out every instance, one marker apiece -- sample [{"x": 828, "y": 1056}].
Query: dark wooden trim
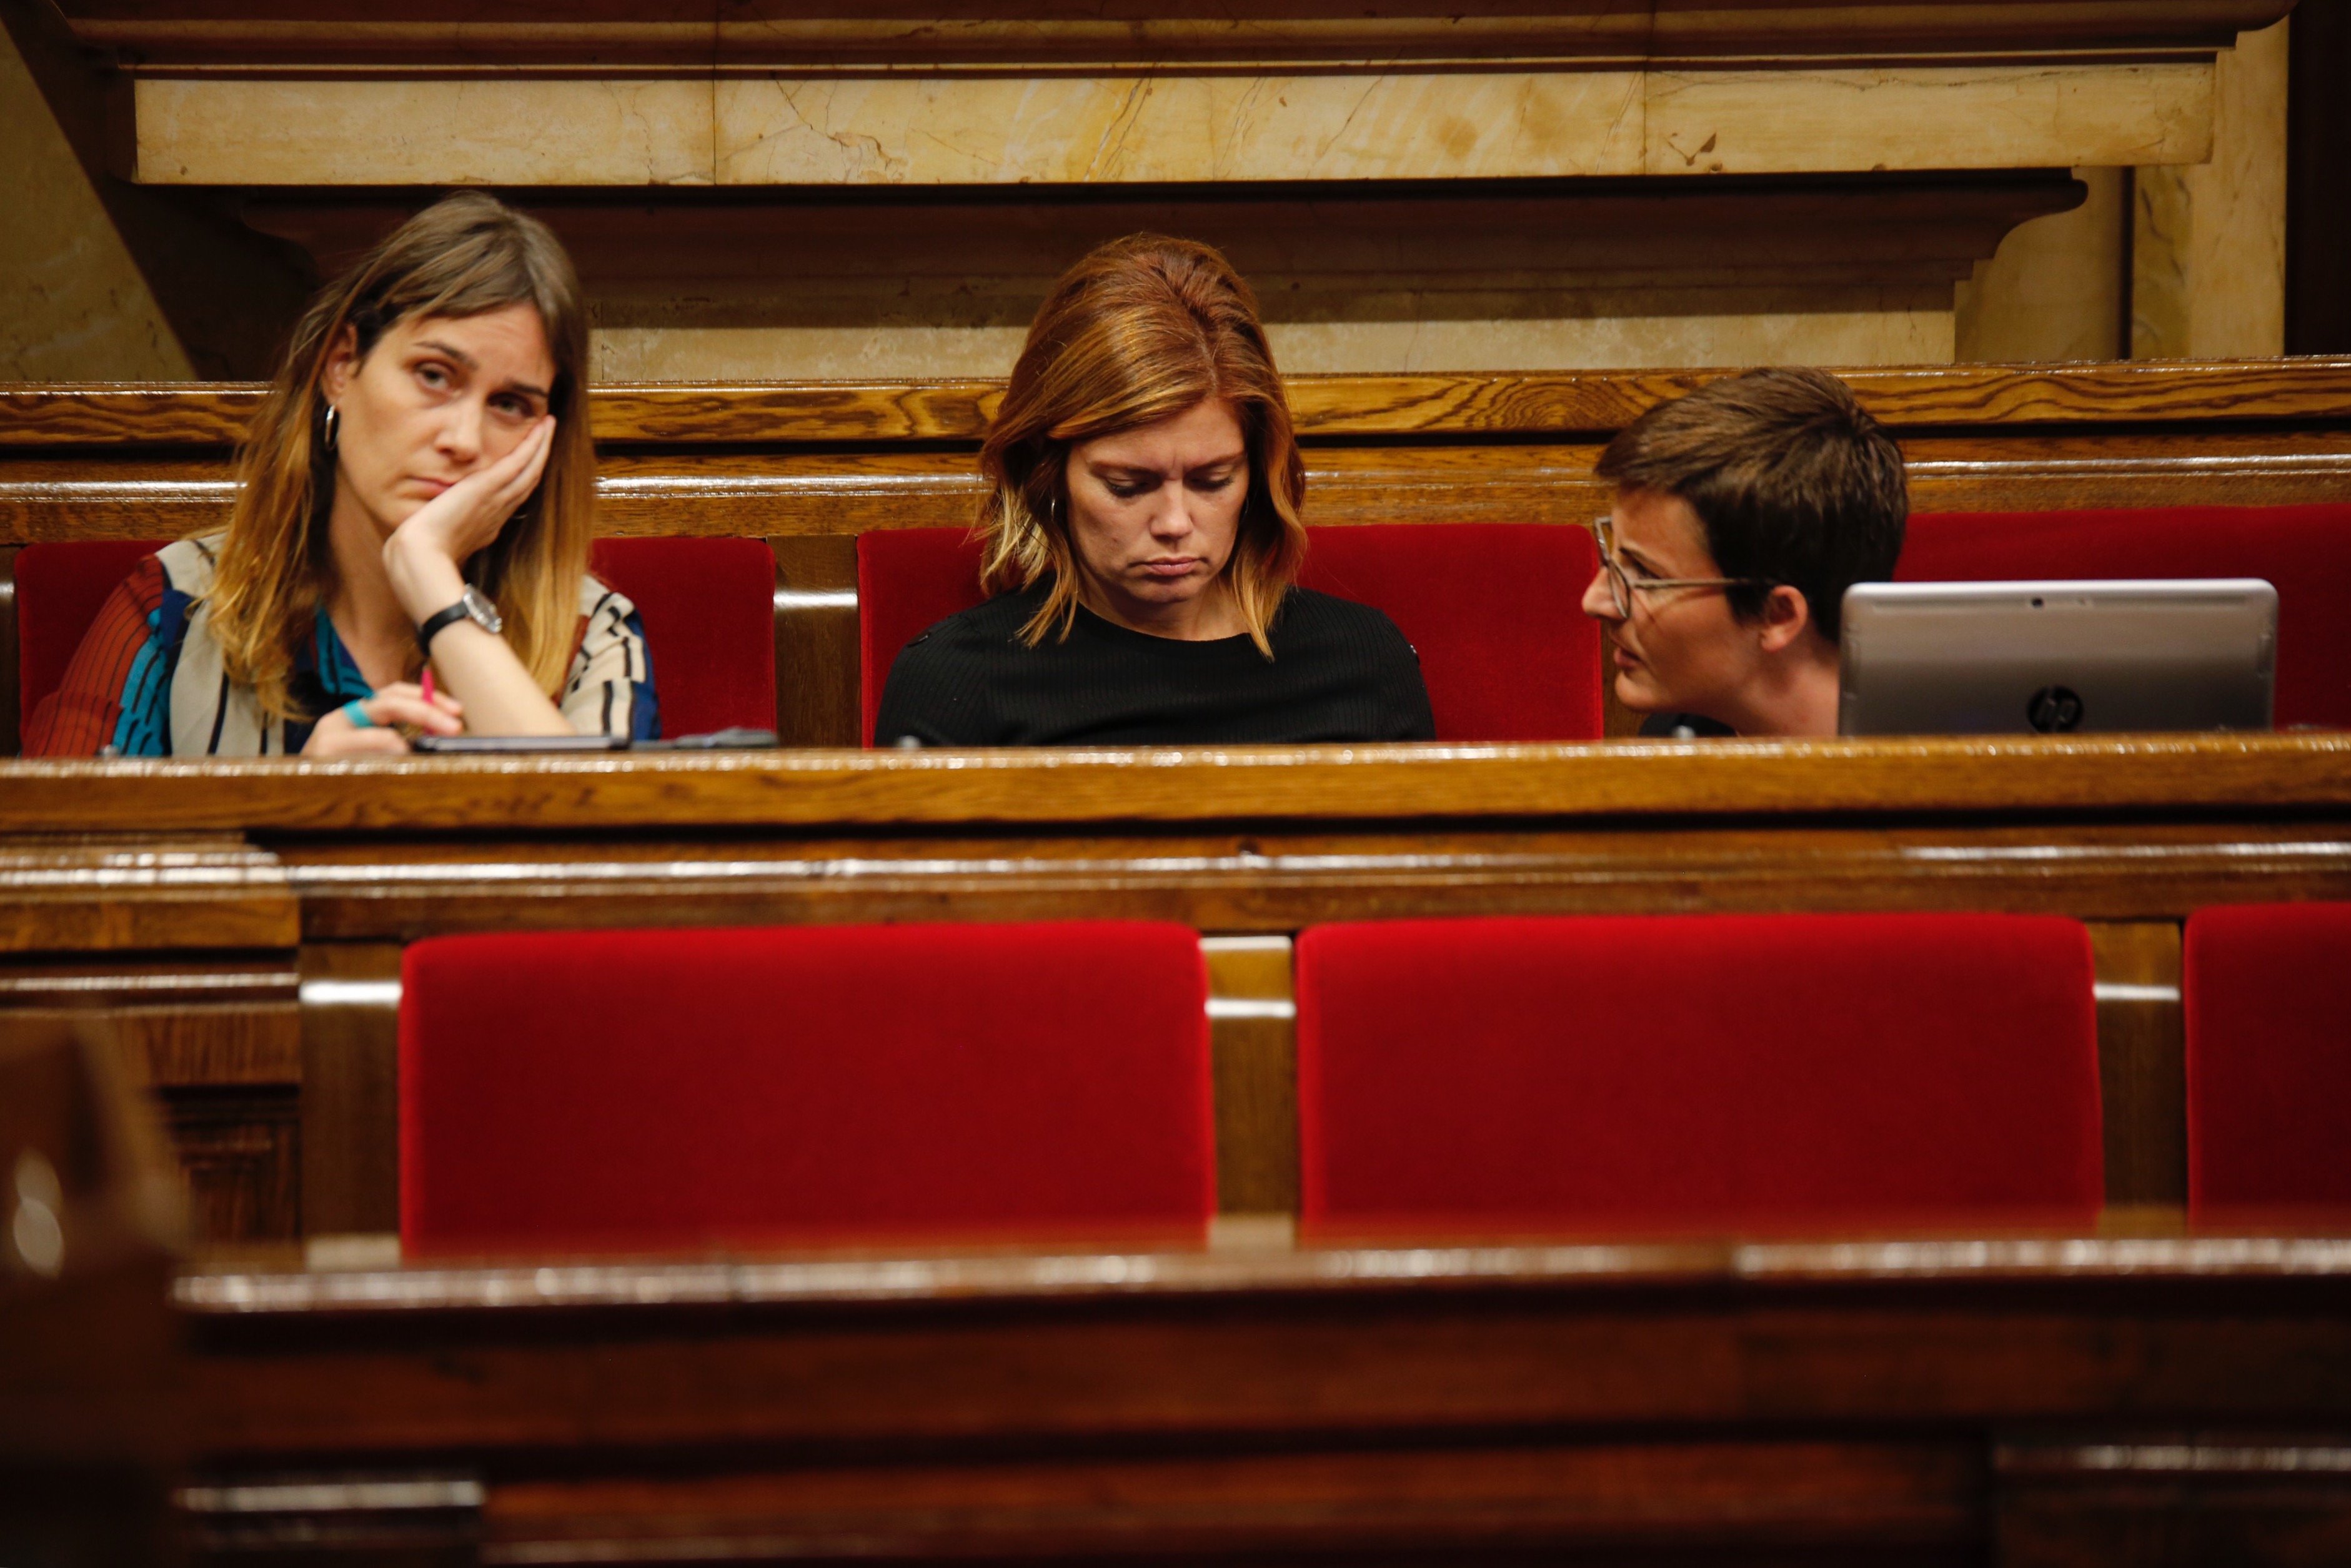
[
  {"x": 11, "y": 694},
  {"x": 784, "y": 414},
  {"x": 2318, "y": 151},
  {"x": 632, "y": 38},
  {"x": 1771, "y": 779}
]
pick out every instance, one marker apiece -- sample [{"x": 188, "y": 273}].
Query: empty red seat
[
  {"x": 1494, "y": 610},
  {"x": 2303, "y": 552},
  {"x": 708, "y": 607},
  {"x": 669, "y": 1088},
  {"x": 2267, "y": 989},
  {"x": 1697, "y": 1072},
  {"x": 60, "y": 588}
]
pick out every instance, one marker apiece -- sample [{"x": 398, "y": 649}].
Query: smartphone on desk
[{"x": 478, "y": 745}]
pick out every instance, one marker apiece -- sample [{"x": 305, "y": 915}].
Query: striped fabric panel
[{"x": 119, "y": 679}]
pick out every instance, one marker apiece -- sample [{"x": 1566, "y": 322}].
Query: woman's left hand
[{"x": 425, "y": 554}]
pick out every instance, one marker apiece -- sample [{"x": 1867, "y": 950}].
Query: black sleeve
[
  {"x": 1403, "y": 694},
  {"x": 933, "y": 697}
]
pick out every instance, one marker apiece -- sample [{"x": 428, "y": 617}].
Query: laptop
[{"x": 2057, "y": 658}]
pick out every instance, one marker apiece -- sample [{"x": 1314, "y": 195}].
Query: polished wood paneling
[
  {"x": 350, "y": 1094},
  {"x": 1253, "y": 1038},
  {"x": 213, "y": 413},
  {"x": 2142, "y": 1062},
  {"x": 134, "y": 890},
  {"x": 1878, "y": 1401},
  {"x": 2297, "y": 772}
]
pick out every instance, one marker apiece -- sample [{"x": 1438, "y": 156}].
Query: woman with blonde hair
[
  {"x": 1142, "y": 541},
  {"x": 417, "y": 486}
]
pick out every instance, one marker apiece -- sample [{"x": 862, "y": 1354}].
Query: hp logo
[{"x": 2054, "y": 710}]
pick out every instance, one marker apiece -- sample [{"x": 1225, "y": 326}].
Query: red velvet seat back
[
  {"x": 817, "y": 1083},
  {"x": 2303, "y": 552},
  {"x": 708, "y": 607},
  {"x": 60, "y": 587},
  {"x": 1493, "y": 609},
  {"x": 1702, "y": 1073},
  {"x": 2268, "y": 995},
  {"x": 908, "y": 580}
]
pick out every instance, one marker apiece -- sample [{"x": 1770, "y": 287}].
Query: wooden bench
[
  {"x": 808, "y": 467},
  {"x": 240, "y": 923},
  {"x": 2013, "y": 1402}
]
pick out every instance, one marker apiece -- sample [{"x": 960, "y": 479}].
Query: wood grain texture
[
  {"x": 130, "y": 889},
  {"x": 1436, "y": 1338},
  {"x": 350, "y": 1093},
  {"x": 2142, "y": 1061},
  {"x": 197, "y": 413},
  {"x": 1905, "y": 1498},
  {"x": 1425, "y": 783}
]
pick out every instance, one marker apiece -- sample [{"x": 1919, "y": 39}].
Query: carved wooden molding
[
  {"x": 1585, "y": 403},
  {"x": 2303, "y": 771}
]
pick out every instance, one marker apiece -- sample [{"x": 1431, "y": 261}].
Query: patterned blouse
[{"x": 147, "y": 680}]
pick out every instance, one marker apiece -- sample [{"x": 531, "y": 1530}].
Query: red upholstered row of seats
[
  {"x": 644, "y": 1088},
  {"x": 707, "y": 606},
  {"x": 1493, "y": 608}
]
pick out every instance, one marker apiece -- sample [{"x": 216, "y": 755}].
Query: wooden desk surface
[
  {"x": 1097, "y": 787},
  {"x": 1915, "y": 1400}
]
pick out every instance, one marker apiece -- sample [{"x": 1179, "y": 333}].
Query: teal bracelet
[{"x": 359, "y": 716}]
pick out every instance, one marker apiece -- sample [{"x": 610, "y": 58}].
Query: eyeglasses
[{"x": 1622, "y": 586}]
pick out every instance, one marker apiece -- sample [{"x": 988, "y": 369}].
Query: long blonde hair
[
  {"x": 1143, "y": 329},
  {"x": 463, "y": 256}
]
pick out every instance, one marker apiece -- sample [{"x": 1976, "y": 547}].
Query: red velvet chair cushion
[
  {"x": 1493, "y": 609},
  {"x": 1697, "y": 1072},
  {"x": 60, "y": 587},
  {"x": 827, "y": 1083},
  {"x": 2303, "y": 552},
  {"x": 908, "y": 580},
  {"x": 2268, "y": 995},
  {"x": 708, "y": 607}
]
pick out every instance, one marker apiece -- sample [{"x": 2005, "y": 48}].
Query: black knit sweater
[{"x": 1340, "y": 671}]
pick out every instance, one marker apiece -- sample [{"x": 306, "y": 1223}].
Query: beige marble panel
[
  {"x": 2208, "y": 243},
  {"x": 1147, "y": 128},
  {"x": 2055, "y": 288},
  {"x": 491, "y": 131},
  {"x": 73, "y": 305},
  {"x": 1997, "y": 116},
  {"x": 2238, "y": 260},
  {"x": 986, "y": 130},
  {"x": 1891, "y": 336}
]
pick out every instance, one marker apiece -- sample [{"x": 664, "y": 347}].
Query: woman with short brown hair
[
  {"x": 1142, "y": 540},
  {"x": 416, "y": 487}
]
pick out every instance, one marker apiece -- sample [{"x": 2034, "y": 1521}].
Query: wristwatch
[{"x": 472, "y": 607}]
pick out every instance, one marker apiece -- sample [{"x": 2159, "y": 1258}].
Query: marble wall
[
  {"x": 73, "y": 304},
  {"x": 2207, "y": 241}
]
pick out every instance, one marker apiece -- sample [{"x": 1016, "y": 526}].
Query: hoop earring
[{"x": 334, "y": 423}]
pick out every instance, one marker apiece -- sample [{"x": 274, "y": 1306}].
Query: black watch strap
[{"x": 438, "y": 621}]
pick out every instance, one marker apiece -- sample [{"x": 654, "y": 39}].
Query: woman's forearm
[{"x": 472, "y": 665}]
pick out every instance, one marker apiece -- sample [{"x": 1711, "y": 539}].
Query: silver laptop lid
[{"x": 1993, "y": 658}]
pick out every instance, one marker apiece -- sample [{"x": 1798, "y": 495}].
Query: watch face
[{"x": 481, "y": 612}]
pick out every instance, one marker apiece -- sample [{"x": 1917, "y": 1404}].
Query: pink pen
[{"x": 428, "y": 683}]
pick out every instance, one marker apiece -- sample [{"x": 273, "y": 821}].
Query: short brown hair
[
  {"x": 1140, "y": 329},
  {"x": 1795, "y": 483}
]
